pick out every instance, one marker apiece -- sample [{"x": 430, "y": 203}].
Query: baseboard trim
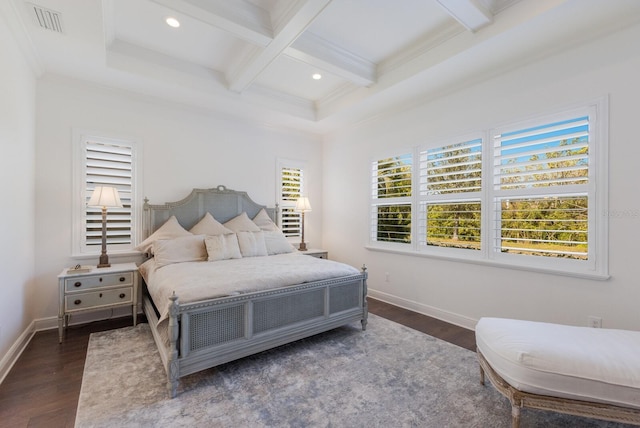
[
  {"x": 42, "y": 324},
  {"x": 450, "y": 317},
  {"x": 10, "y": 358}
]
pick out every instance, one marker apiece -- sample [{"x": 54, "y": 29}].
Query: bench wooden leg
[{"x": 515, "y": 416}]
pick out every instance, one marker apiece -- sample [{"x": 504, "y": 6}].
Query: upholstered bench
[{"x": 576, "y": 370}]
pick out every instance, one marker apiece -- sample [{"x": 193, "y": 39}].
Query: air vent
[{"x": 47, "y": 18}]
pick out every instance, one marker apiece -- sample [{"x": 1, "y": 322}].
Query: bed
[
  {"x": 580, "y": 371},
  {"x": 262, "y": 301}
]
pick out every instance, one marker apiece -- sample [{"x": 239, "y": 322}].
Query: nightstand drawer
[
  {"x": 99, "y": 298},
  {"x": 110, "y": 279}
]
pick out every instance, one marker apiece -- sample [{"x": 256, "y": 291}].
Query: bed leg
[
  {"x": 365, "y": 305},
  {"x": 172, "y": 368}
]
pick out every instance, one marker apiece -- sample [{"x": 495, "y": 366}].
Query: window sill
[{"x": 585, "y": 275}]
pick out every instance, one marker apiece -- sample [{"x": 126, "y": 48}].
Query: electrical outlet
[{"x": 595, "y": 322}]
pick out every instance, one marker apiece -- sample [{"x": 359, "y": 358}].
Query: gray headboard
[{"x": 223, "y": 204}]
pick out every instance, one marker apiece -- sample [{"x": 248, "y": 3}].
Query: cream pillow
[
  {"x": 242, "y": 223},
  {"x": 274, "y": 239},
  {"x": 169, "y": 230},
  {"x": 222, "y": 247},
  {"x": 209, "y": 226},
  {"x": 264, "y": 222},
  {"x": 183, "y": 249},
  {"x": 252, "y": 244}
]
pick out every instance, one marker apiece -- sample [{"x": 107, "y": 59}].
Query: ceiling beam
[
  {"x": 470, "y": 13},
  {"x": 300, "y": 17}
]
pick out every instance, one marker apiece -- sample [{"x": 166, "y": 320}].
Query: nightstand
[
  {"x": 100, "y": 288},
  {"x": 315, "y": 252}
]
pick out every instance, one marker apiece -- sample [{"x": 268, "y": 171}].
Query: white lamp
[
  {"x": 302, "y": 206},
  {"x": 104, "y": 197}
]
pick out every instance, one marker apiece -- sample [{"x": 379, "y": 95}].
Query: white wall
[
  {"x": 464, "y": 292},
  {"x": 17, "y": 146},
  {"x": 183, "y": 148}
]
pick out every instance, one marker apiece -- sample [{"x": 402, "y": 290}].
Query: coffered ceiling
[{"x": 257, "y": 58}]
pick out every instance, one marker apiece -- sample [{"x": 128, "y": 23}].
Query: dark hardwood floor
[{"x": 43, "y": 387}]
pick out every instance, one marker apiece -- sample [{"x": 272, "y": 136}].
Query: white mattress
[{"x": 582, "y": 363}]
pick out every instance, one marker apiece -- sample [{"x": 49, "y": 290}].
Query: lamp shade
[
  {"x": 105, "y": 197},
  {"x": 303, "y": 205}
]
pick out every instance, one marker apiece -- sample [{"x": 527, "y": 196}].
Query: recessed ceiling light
[
  {"x": 172, "y": 22},
  {"x": 317, "y": 76}
]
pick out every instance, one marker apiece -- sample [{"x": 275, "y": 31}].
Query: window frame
[
  {"x": 392, "y": 201},
  {"x": 282, "y": 204},
  {"x": 80, "y": 249},
  {"x": 595, "y": 267},
  {"x": 463, "y": 197}
]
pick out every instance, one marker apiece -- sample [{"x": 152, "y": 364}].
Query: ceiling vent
[{"x": 47, "y": 18}]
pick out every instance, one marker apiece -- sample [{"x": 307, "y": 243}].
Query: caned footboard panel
[{"x": 223, "y": 330}]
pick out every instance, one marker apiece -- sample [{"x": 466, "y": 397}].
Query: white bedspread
[{"x": 194, "y": 281}]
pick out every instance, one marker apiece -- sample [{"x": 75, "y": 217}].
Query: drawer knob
[
  {"x": 77, "y": 284},
  {"x": 77, "y": 301},
  {"x": 122, "y": 279},
  {"x": 100, "y": 279},
  {"x": 122, "y": 295}
]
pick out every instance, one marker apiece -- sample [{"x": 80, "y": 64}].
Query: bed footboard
[{"x": 209, "y": 333}]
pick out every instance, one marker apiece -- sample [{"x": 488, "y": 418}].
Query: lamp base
[
  {"x": 302, "y": 247},
  {"x": 104, "y": 261}
]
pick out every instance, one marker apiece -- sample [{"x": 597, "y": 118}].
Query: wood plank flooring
[{"x": 43, "y": 387}]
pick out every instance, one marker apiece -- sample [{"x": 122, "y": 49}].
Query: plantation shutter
[
  {"x": 554, "y": 154},
  {"x": 292, "y": 181},
  {"x": 456, "y": 168},
  {"x": 109, "y": 164},
  {"x": 391, "y": 190},
  {"x": 541, "y": 189},
  {"x": 450, "y": 195}
]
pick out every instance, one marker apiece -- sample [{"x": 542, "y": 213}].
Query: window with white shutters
[
  {"x": 105, "y": 162},
  {"x": 529, "y": 195},
  {"x": 450, "y": 195},
  {"x": 391, "y": 184},
  {"x": 541, "y": 189},
  {"x": 291, "y": 179}
]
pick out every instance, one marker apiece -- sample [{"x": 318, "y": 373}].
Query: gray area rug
[{"x": 387, "y": 376}]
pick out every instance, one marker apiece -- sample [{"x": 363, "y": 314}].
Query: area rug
[{"x": 386, "y": 376}]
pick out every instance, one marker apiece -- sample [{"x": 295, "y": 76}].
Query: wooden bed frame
[
  {"x": 208, "y": 333},
  {"x": 520, "y": 399}
]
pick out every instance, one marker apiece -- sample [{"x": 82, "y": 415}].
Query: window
[
  {"x": 450, "y": 195},
  {"x": 391, "y": 196},
  {"x": 104, "y": 161},
  {"x": 291, "y": 187},
  {"x": 526, "y": 194},
  {"x": 541, "y": 189}
]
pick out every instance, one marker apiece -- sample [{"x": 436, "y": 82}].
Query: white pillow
[
  {"x": 222, "y": 247},
  {"x": 242, "y": 223},
  {"x": 264, "y": 222},
  {"x": 274, "y": 239},
  {"x": 209, "y": 226},
  {"x": 252, "y": 244},
  {"x": 169, "y": 230},
  {"x": 184, "y": 249}
]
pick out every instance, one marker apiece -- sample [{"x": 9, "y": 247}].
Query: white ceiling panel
[{"x": 142, "y": 23}]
